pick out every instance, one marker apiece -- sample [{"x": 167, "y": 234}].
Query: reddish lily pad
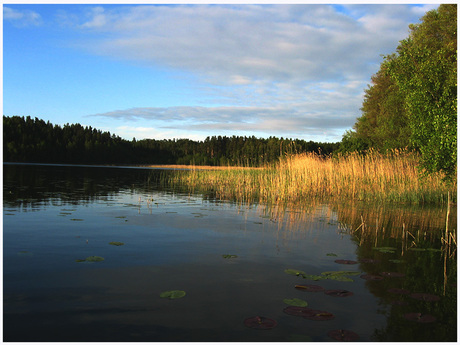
[
  {"x": 425, "y": 297},
  {"x": 310, "y": 288},
  {"x": 338, "y": 293},
  {"x": 371, "y": 277},
  {"x": 399, "y": 291},
  {"x": 346, "y": 262},
  {"x": 419, "y": 317},
  {"x": 393, "y": 274},
  {"x": 260, "y": 322},
  {"x": 318, "y": 315},
  {"x": 343, "y": 335},
  {"x": 297, "y": 311}
]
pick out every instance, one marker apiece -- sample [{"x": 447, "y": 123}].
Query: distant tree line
[
  {"x": 412, "y": 101},
  {"x": 34, "y": 140}
]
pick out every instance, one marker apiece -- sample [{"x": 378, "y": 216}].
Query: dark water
[{"x": 54, "y": 216}]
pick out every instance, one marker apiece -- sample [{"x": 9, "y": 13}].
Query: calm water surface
[{"x": 56, "y": 216}]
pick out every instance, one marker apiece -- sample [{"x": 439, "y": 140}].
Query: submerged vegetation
[{"x": 373, "y": 177}]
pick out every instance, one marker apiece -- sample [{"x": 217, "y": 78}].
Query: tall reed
[{"x": 389, "y": 177}]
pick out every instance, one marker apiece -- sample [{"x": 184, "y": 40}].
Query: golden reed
[{"x": 390, "y": 177}]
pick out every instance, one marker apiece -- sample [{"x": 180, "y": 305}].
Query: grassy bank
[{"x": 374, "y": 177}]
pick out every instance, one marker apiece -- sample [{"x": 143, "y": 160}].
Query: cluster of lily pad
[{"x": 299, "y": 307}]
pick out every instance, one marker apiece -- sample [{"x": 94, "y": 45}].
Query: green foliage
[
  {"x": 412, "y": 102},
  {"x": 425, "y": 70},
  {"x": 173, "y": 294},
  {"x": 297, "y": 302},
  {"x": 383, "y": 124}
]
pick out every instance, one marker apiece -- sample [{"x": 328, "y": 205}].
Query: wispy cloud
[
  {"x": 21, "y": 18},
  {"x": 304, "y": 64}
]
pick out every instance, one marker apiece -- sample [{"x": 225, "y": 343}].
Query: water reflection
[{"x": 177, "y": 241}]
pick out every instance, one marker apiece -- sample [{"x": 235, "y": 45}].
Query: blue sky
[{"x": 192, "y": 71}]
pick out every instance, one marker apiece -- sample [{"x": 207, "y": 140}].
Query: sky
[{"x": 194, "y": 70}]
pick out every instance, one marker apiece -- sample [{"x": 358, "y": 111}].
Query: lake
[{"x": 87, "y": 252}]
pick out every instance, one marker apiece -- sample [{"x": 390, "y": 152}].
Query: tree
[
  {"x": 425, "y": 70},
  {"x": 384, "y": 123}
]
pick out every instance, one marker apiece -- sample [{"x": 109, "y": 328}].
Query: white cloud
[
  {"x": 300, "y": 69},
  {"x": 21, "y": 18}
]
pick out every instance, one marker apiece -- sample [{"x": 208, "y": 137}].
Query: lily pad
[
  {"x": 229, "y": 256},
  {"x": 338, "y": 293},
  {"x": 331, "y": 254},
  {"x": 425, "y": 297},
  {"x": 419, "y": 317},
  {"x": 297, "y": 311},
  {"x": 313, "y": 277},
  {"x": 385, "y": 249},
  {"x": 94, "y": 258},
  {"x": 340, "y": 273},
  {"x": 319, "y": 315},
  {"x": 397, "y": 261},
  {"x": 346, "y": 262},
  {"x": 173, "y": 294},
  {"x": 297, "y": 302},
  {"x": 260, "y": 322},
  {"x": 310, "y": 288},
  {"x": 116, "y": 243},
  {"x": 295, "y": 272},
  {"x": 343, "y": 335},
  {"x": 371, "y": 277}
]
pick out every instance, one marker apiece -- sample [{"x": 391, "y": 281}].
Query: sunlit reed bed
[{"x": 390, "y": 177}]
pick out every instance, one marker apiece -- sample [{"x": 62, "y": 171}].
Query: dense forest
[
  {"x": 412, "y": 101},
  {"x": 34, "y": 140}
]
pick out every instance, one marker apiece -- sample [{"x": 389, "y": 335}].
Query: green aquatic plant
[
  {"x": 295, "y": 272},
  {"x": 297, "y": 302},
  {"x": 229, "y": 256},
  {"x": 116, "y": 243},
  {"x": 331, "y": 254},
  {"x": 173, "y": 294},
  {"x": 385, "y": 249},
  {"x": 91, "y": 259}
]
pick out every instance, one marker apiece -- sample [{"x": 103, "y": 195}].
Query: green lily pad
[
  {"x": 297, "y": 302},
  {"x": 173, "y": 294},
  {"x": 331, "y": 254},
  {"x": 229, "y": 256},
  {"x": 385, "y": 249},
  {"x": 314, "y": 277},
  {"x": 397, "y": 261},
  {"x": 94, "y": 258},
  {"x": 417, "y": 249},
  {"x": 295, "y": 272},
  {"x": 340, "y": 278},
  {"x": 116, "y": 243},
  {"x": 341, "y": 273}
]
